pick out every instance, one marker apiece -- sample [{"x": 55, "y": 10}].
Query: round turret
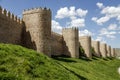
[{"x": 37, "y": 33}]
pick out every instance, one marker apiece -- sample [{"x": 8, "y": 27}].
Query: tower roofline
[{"x": 35, "y": 10}]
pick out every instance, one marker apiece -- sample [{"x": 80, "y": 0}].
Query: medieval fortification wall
[
  {"x": 70, "y": 38},
  {"x": 34, "y": 31},
  {"x": 103, "y": 50},
  {"x": 96, "y": 47},
  {"x": 56, "y": 44},
  {"x": 10, "y": 27},
  {"x": 37, "y": 30},
  {"x": 85, "y": 43},
  {"x": 108, "y": 51}
]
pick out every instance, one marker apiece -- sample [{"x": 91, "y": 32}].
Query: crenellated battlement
[
  {"x": 34, "y": 31},
  {"x": 36, "y": 10},
  {"x": 73, "y": 28},
  {"x": 9, "y": 15}
]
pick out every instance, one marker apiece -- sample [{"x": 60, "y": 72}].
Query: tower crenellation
[
  {"x": 5, "y": 12},
  {"x": 8, "y": 15},
  {"x": 33, "y": 10}
]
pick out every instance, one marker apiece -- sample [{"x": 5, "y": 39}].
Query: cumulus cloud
[
  {"x": 101, "y": 39},
  {"x": 100, "y": 5},
  {"x": 77, "y": 22},
  {"x": 76, "y": 16},
  {"x": 85, "y": 33},
  {"x": 112, "y": 27},
  {"x": 70, "y": 12},
  {"x": 101, "y": 20},
  {"x": 109, "y": 34},
  {"x": 56, "y": 26},
  {"x": 108, "y": 12}
]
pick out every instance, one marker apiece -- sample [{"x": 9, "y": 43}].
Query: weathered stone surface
[
  {"x": 113, "y": 54},
  {"x": 103, "y": 50},
  {"x": 108, "y": 51},
  {"x": 85, "y": 42},
  {"x": 57, "y": 44},
  {"x": 96, "y": 46},
  {"x": 37, "y": 28},
  {"x": 71, "y": 43},
  {"x": 117, "y": 52},
  {"x": 10, "y": 29}
]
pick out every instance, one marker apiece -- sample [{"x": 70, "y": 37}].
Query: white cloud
[
  {"x": 77, "y": 23},
  {"x": 94, "y": 19},
  {"x": 108, "y": 12},
  {"x": 101, "y": 20},
  {"x": 85, "y": 33},
  {"x": 101, "y": 39},
  {"x": 56, "y": 26},
  {"x": 112, "y": 27},
  {"x": 70, "y": 12},
  {"x": 81, "y": 13},
  {"x": 62, "y": 13},
  {"x": 76, "y": 16},
  {"x": 100, "y": 5},
  {"x": 109, "y": 34}
]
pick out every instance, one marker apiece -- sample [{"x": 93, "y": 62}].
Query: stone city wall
[
  {"x": 37, "y": 30},
  {"x": 56, "y": 44},
  {"x": 117, "y": 52},
  {"x": 103, "y": 50},
  {"x": 10, "y": 27},
  {"x": 108, "y": 51},
  {"x": 85, "y": 42},
  {"x": 96, "y": 47},
  {"x": 113, "y": 54},
  {"x": 71, "y": 42},
  {"x": 34, "y": 32}
]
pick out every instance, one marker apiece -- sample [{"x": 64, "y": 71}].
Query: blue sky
[{"x": 98, "y": 18}]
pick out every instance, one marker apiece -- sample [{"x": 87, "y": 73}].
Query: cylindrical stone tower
[
  {"x": 113, "y": 52},
  {"x": 37, "y": 30},
  {"x": 96, "y": 46},
  {"x": 108, "y": 51},
  {"x": 85, "y": 42},
  {"x": 103, "y": 50},
  {"x": 71, "y": 43}
]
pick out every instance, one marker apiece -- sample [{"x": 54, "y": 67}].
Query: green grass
[{"x": 18, "y": 63}]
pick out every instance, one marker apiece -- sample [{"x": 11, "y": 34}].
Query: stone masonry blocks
[
  {"x": 103, "y": 50},
  {"x": 113, "y": 52},
  {"x": 38, "y": 29},
  {"x": 70, "y": 37},
  {"x": 108, "y": 51},
  {"x": 85, "y": 42},
  {"x": 96, "y": 46}
]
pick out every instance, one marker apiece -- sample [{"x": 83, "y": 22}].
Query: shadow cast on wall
[
  {"x": 26, "y": 39},
  {"x": 66, "y": 51}
]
